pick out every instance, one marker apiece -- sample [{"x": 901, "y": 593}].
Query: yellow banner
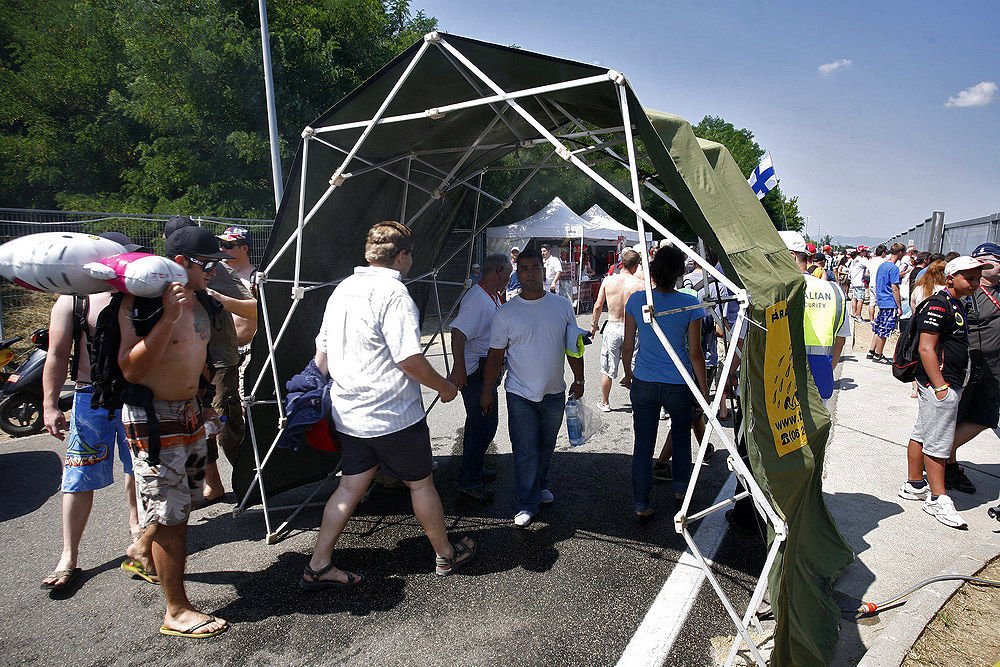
[{"x": 783, "y": 411}]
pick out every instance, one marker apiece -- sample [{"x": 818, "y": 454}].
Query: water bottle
[
  {"x": 214, "y": 426},
  {"x": 574, "y": 425}
]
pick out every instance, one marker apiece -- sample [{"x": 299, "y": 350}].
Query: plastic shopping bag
[{"x": 592, "y": 421}]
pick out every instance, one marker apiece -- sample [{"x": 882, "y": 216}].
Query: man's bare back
[
  {"x": 175, "y": 376},
  {"x": 615, "y": 291}
]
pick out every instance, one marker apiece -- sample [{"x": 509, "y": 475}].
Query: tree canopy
[{"x": 158, "y": 105}]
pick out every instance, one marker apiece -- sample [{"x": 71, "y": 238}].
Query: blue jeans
[
  {"x": 533, "y": 429},
  {"x": 647, "y": 399},
  {"x": 479, "y": 431}
]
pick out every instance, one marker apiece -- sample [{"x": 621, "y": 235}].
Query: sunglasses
[
  {"x": 205, "y": 264},
  {"x": 228, "y": 245}
]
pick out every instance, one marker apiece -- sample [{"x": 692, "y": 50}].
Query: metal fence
[
  {"x": 936, "y": 236},
  {"x": 22, "y": 311}
]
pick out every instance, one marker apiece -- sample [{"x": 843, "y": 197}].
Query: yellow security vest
[{"x": 825, "y": 311}]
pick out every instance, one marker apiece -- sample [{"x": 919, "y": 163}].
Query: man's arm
[
  {"x": 598, "y": 308},
  {"x": 418, "y": 368},
  {"x": 321, "y": 363},
  {"x": 56, "y": 364},
  {"x": 459, "y": 376},
  {"x": 628, "y": 347},
  {"x": 138, "y": 357},
  {"x": 494, "y": 362},
  {"x": 895, "y": 296},
  {"x": 245, "y": 308},
  {"x": 838, "y": 347},
  {"x": 929, "y": 359}
]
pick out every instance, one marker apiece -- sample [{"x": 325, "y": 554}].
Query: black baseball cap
[
  {"x": 194, "y": 241},
  {"x": 122, "y": 240},
  {"x": 175, "y": 223}
]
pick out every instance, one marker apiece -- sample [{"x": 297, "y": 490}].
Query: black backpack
[{"x": 906, "y": 358}]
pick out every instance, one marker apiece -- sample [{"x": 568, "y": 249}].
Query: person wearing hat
[
  {"x": 165, "y": 355},
  {"x": 72, "y": 325},
  {"x": 235, "y": 241},
  {"x": 476, "y": 273},
  {"x": 824, "y": 319},
  {"x": 942, "y": 373},
  {"x": 979, "y": 408},
  {"x": 224, "y": 286}
]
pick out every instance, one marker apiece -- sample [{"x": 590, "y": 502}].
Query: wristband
[
  {"x": 942, "y": 387},
  {"x": 580, "y": 382}
]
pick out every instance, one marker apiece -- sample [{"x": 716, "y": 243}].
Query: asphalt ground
[{"x": 572, "y": 589}]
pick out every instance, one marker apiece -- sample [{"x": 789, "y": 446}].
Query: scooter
[{"x": 21, "y": 405}]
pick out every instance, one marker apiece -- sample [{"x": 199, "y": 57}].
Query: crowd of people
[{"x": 516, "y": 325}]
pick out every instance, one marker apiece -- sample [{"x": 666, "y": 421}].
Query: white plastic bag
[{"x": 591, "y": 419}]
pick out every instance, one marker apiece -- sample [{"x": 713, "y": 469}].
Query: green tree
[
  {"x": 783, "y": 211},
  {"x": 158, "y": 105}
]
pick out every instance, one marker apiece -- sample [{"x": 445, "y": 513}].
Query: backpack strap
[{"x": 81, "y": 310}]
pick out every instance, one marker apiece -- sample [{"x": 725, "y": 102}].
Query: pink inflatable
[{"x": 137, "y": 273}]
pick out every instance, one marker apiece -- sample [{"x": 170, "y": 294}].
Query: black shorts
[
  {"x": 404, "y": 454},
  {"x": 980, "y": 402}
]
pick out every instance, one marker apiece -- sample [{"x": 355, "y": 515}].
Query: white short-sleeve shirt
[
  {"x": 475, "y": 320},
  {"x": 534, "y": 335},
  {"x": 370, "y": 325},
  {"x": 553, "y": 266}
]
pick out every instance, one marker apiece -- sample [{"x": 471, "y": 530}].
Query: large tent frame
[{"x": 573, "y": 141}]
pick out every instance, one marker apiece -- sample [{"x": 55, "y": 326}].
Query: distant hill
[{"x": 855, "y": 241}]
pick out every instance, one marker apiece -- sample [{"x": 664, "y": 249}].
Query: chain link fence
[{"x": 22, "y": 311}]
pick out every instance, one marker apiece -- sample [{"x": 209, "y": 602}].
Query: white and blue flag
[{"x": 763, "y": 180}]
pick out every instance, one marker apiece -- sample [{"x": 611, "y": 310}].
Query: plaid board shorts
[
  {"x": 884, "y": 323},
  {"x": 168, "y": 490}
]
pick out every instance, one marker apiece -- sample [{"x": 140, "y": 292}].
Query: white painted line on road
[{"x": 655, "y": 636}]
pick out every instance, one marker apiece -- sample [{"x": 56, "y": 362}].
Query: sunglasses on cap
[{"x": 205, "y": 264}]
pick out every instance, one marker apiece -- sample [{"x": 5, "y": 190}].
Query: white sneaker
[
  {"x": 910, "y": 492},
  {"x": 603, "y": 407},
  {"x": 943, "y": 509},
  {"x": 547, "y": 497},
  {"x": 523, "y": 519}
]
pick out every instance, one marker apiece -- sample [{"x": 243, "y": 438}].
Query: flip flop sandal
[
  {"x": 70, "y": 576},
  {"x": 464, "y": 553},
  {"x": 192, "y": 632},
  {"x": 136, "y": 569},
  {"x": 317, "y": 584}
]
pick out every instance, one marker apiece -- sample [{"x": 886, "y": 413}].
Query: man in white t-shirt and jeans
[
  {"x": 857, "y": 270},
  {"x": 530, "y": 330},
  {"x": 369, "y": 343},
  {"x": 553, "y": 270},
  {"x": 470, "y": 343}
]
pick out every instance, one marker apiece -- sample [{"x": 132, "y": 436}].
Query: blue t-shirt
[
  {"x": 886, "y": 276},
  {"x": 652, "y": 364}
]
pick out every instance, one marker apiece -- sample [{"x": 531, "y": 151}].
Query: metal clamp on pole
[{"x": 647, "y": 313}]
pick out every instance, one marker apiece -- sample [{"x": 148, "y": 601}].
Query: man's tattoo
[{"x": 201, "y": 323}]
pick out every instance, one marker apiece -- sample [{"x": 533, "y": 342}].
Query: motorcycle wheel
[{"x": 21, "y": 414}]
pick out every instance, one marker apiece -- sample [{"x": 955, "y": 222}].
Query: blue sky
[{"x": 870, "y": 145}]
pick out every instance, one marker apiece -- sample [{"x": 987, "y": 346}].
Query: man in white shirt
[
  {"x": 369, "y": 343},
  {"x": 470, "y": 343},
  {"x": 530, "y": 330},
  {"x": 857, "y": 269},
  {"x": 553, "y": 270},
  {"x": 873, "y": 265}
]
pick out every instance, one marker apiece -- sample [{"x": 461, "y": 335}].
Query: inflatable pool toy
[
  {"x": 53, "y": 261},
  {"x": 137, "y": 273}
]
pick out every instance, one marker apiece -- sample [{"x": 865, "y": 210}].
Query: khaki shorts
[
  {"x": 167, "y": 491},
  {"x": 611, "y": 348},
  {"x": 936, "y": 420}
]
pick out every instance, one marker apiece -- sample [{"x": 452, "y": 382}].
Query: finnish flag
[{"x": 763, "y": 180}]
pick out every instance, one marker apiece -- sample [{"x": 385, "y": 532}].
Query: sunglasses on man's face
[
  {"x": 228, "y": 245},
  {"x": 205, "y": 264}
]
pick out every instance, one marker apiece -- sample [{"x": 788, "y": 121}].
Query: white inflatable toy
[
  {"x": 53, "y": 261},
  {"x": 137, "y": 273}
]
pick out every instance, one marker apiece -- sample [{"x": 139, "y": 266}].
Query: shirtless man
[
  {"x": 170, "y": 360},
  {"x": 615, "y": 291},
  {"x": 93, "y": 434}
]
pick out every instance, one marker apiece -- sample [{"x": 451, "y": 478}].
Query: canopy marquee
[{"x": 414, "y": 143}]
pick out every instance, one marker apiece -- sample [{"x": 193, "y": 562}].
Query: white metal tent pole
[
  {"x": 272, "y": 114},
  {"x": 406, "y": 192},
  {"x": 296, "y": 294}
]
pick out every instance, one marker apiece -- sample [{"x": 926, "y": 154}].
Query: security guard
[{"x": 825, "y": 319}]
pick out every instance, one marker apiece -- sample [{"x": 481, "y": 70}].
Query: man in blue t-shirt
[{"x": 889, "y": 304}]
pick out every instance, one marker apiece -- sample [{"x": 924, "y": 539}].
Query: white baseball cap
[
  {"x": 793, "y": 241},
  {"x": 965, "y": 263}
]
